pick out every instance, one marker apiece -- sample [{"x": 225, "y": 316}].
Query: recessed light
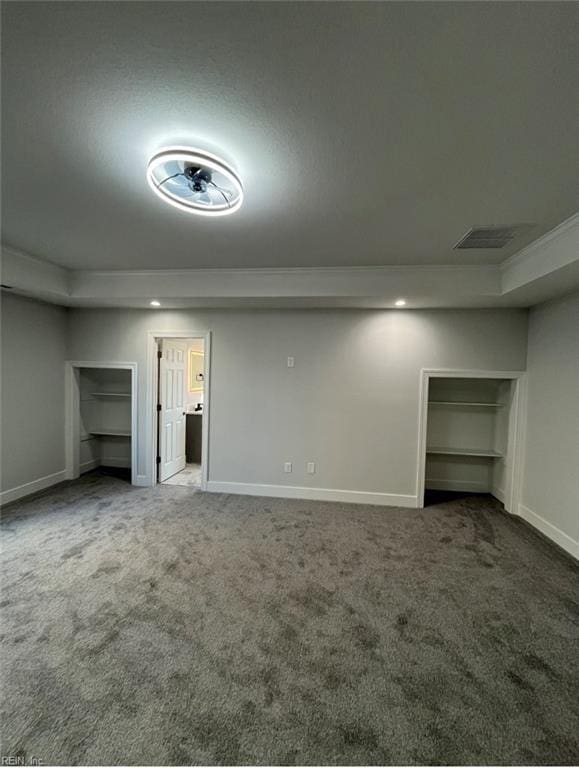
[
  {"x": 155, "y": 303},
  {"x": 400, "y": 303},
  {"x": 195, "y": 181}
]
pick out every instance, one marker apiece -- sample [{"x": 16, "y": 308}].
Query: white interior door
[{"x": 172, "y": 373}]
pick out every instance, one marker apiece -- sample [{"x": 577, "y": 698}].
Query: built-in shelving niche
[
  {"x": 468, "y": 434},
  {"x": 105, "y": 418}
]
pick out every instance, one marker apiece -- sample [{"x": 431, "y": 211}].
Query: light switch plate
[
  {"x": 287, "y": 467},
  {"x": 290, "y": 362},
  {"x": 311, "y": 467}
]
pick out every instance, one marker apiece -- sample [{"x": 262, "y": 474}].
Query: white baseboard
[
  {"x": 551, "y": 531},
  {"x": 472, "y": 486},
  {"x": 313, "y": 494},
  {"x": 499, "y": 494},
  {"x": 86, "y": 466},
  {"x": 13, "y": 494}
]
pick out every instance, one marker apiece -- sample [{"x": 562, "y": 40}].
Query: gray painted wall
[
  {"x": 350, "y": 404},
  {"x": 32, "y": 378},
  {"x": 551, "y": 472}
]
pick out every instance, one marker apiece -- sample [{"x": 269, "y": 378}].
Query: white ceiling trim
[
  {"x": 36, "y": 277},
  {"x": 555, "y": 250},
  {"x": 386, "y": 282},
  {"x": 423, "y": 286},
  {"x": 569, "y": 225}
]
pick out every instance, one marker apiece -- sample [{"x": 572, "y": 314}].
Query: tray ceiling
[{"x": 365, "y": 133}]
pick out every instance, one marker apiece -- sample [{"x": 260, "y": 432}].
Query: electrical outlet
[
  {"x": 287, "y": 467},
  {"x": 311, "y": 467},
  {"x": 290, "y": 362}
]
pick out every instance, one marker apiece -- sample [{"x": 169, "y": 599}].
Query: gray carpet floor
[{"x": 165, "y": 626}]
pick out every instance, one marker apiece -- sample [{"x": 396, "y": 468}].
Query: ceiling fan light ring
[{"x": 203, "y": 160}]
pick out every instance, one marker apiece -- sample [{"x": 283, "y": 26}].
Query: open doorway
[{"x": 180, "y": 411}]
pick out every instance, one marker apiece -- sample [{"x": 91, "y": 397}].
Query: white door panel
[{"x": 172, "y": 399}]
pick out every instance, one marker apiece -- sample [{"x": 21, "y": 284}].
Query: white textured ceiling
[{"x": 366, "y": 134}]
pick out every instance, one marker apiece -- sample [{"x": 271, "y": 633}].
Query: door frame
[
  {"x": 72, "y": 413},
  {"x": 516, "y": 425},
  {"x": 152, "y": 394}
]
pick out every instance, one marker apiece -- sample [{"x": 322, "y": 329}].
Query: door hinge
[
  {"x": 159, "y": 353},
  {"x": 158, "y": 459},
  {"x": 158, "y": 407}
]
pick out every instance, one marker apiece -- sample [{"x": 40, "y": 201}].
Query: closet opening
[
  {"x": 101, "y": 419},
  {"x": 469, "y": 441},
  {"x": 180, "y": 412}
]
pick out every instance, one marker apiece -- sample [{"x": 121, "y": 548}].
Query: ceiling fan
[
  {"x": 195, "y": 181},
  {"x": 200, "y": 181}
]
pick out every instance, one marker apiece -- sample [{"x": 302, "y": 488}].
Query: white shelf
[
  {"x": 464, "y": 403},
  {"x": 490, "y": 454},
  {"x": 111, "y": 432},
  {"x": 111, "y": 394}
]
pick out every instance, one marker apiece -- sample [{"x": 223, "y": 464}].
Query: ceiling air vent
[{"x": 491, "y": 237}]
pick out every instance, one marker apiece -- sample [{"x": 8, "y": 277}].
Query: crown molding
[
  {"x": 33, "y": 276},
  {"x": 570, "y": 224},
  {"x": 542, "y": 270},
  {"x": 440, "y": 286},
  {"x": 282, "y": 271},
  {"x": 550, "y": 255}
]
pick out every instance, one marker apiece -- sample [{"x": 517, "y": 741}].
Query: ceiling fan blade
[
  {"x": 201, "y": 197},
  {"x": 223, "y": 190},
  {"x": 172, "y": 180},
  {"x": 223, "y": 195}
]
